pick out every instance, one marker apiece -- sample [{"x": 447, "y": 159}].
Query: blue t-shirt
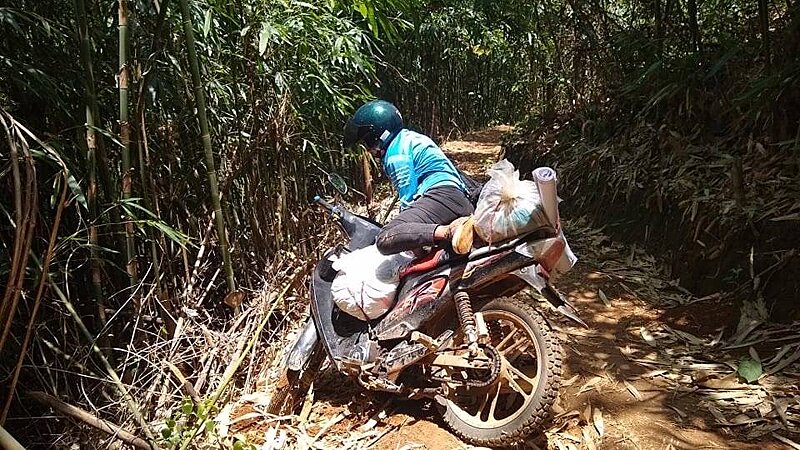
[{"x": 415, "y": 164}]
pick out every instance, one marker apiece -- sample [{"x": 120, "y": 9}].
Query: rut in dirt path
[{"x": 652, "y": 371}]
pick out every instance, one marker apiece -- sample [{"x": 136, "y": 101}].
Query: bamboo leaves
[{"x": 207, "y": 23}]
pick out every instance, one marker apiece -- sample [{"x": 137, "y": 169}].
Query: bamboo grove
[{"x": 159, "y": 156}]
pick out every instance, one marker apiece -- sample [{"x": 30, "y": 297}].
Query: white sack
[
  {"x": 507, "y": 206},
  {"x": 366, "y": 284}
]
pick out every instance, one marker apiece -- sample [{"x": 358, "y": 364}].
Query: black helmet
[{"x": 375, "y": 124}]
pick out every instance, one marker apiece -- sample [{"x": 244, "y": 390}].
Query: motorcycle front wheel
[{"x": 519, "y": 400}]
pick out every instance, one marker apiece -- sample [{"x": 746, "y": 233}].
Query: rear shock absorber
[{"x": 467, "y": 318}]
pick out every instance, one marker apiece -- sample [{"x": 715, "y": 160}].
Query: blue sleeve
[{"x": 398, "y": 163}]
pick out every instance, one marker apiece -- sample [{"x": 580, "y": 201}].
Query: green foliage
[
  {"x": 749, "y": 369},
  {"x": 459, "y": 63},
  {"x": 182, "y": 425},
  {"x": 281, "y": 77},
  {"x": 29, "y": 35}
]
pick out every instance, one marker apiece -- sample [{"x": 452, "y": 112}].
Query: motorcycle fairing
[
  {"x": 360, "y": 230},
  {"x": 300, "y": 351},
  {"x": 343, "y": 336},
  {"x": 478, "y": 273},
  {"x": 421, "y": 298}
]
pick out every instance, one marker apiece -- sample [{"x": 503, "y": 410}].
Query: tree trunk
[
  {"x": 763, "y": 19},
  {"x": 659, "y": 31},
  {"x": 694, "y": 30},
  {"x": 211, "y": 170}
]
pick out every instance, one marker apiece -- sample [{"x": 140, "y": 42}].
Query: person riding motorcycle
[{"x": 434, "y": 204}]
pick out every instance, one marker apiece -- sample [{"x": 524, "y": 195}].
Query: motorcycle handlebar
[{"x": 324, "y": 203}]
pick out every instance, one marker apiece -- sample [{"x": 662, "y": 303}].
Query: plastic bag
[
  {"x": 366, "y": 284},
  {"x": 507, "y": 206}
]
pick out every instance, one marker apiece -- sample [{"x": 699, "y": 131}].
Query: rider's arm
[{"x": 398, "y": 163}]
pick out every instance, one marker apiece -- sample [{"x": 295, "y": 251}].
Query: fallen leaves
[
  {"x": 604, "y": 298},
  {"x": 632, "y": 389},
  {"x": 707, "y": 366},
  {"x": 648, "y": 338},
  {"x": 597, "y": 421},
  {"x": 746, "y": 381}
]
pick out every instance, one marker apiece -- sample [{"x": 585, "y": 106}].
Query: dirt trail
[
  {"x": 642, "y": 376},
  {"x": 597, "y": 369}
]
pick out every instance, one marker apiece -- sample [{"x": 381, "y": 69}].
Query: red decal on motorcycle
[
  {"x": 427, "y": 293},
  {"x": 482, "y": 262},
  {"x": 419, "y": 296}
]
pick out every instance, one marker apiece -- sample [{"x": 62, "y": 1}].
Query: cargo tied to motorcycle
[
  {"x": 509, "y": 206},
  {"x": 366, "y": 284}
]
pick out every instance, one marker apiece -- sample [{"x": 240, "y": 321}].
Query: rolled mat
[{"x": 546, "y": 181}]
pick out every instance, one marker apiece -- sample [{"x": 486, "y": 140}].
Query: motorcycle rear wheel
[
  {"x": 519, "y": 401},
  {"x": 293, "y": 385}
]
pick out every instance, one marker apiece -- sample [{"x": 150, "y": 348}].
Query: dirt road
[{"x": 654, "y": 370}]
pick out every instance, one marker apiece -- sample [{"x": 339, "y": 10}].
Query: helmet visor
[{"x": 351, "y": 134}]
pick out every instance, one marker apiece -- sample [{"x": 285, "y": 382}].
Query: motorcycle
[{"x": 455, "y": 334}]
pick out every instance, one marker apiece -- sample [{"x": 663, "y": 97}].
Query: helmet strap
[{"x": 384, "y": 138}]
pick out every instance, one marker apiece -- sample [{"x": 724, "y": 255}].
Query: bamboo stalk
[
  {"x": 125, "y": 138},
  {"x": 7, "y": 312},
  {"x": 763, "y": 19},
  {"x": 8, "y": 442},
  {"x": 200, "y": 99},
  {"x": 365, "y": 160},
  {"x": 89, "y": 418},
  {"x": 146, "y": 180},
  {"x": 25, "y": 226},
  {"x": 91, "y": 146},
  {"x": 186, "y": 386}
]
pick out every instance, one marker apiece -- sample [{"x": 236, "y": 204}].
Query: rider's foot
[{"x": 460, "y": 234}]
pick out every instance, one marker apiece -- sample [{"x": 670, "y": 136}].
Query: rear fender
[
  {"x": 552, "y": 254},
  {"x": 535, "y": 277}
]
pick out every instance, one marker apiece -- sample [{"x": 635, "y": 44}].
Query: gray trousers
[{"x": 413, "y": 227}]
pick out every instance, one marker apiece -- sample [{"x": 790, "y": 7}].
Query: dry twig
[{"x": 87, "y": 417}]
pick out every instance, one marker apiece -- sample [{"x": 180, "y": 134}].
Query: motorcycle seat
[{"x": 438, "y": 257}]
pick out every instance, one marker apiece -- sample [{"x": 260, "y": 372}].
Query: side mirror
[{"x": 337, "y": 182}]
